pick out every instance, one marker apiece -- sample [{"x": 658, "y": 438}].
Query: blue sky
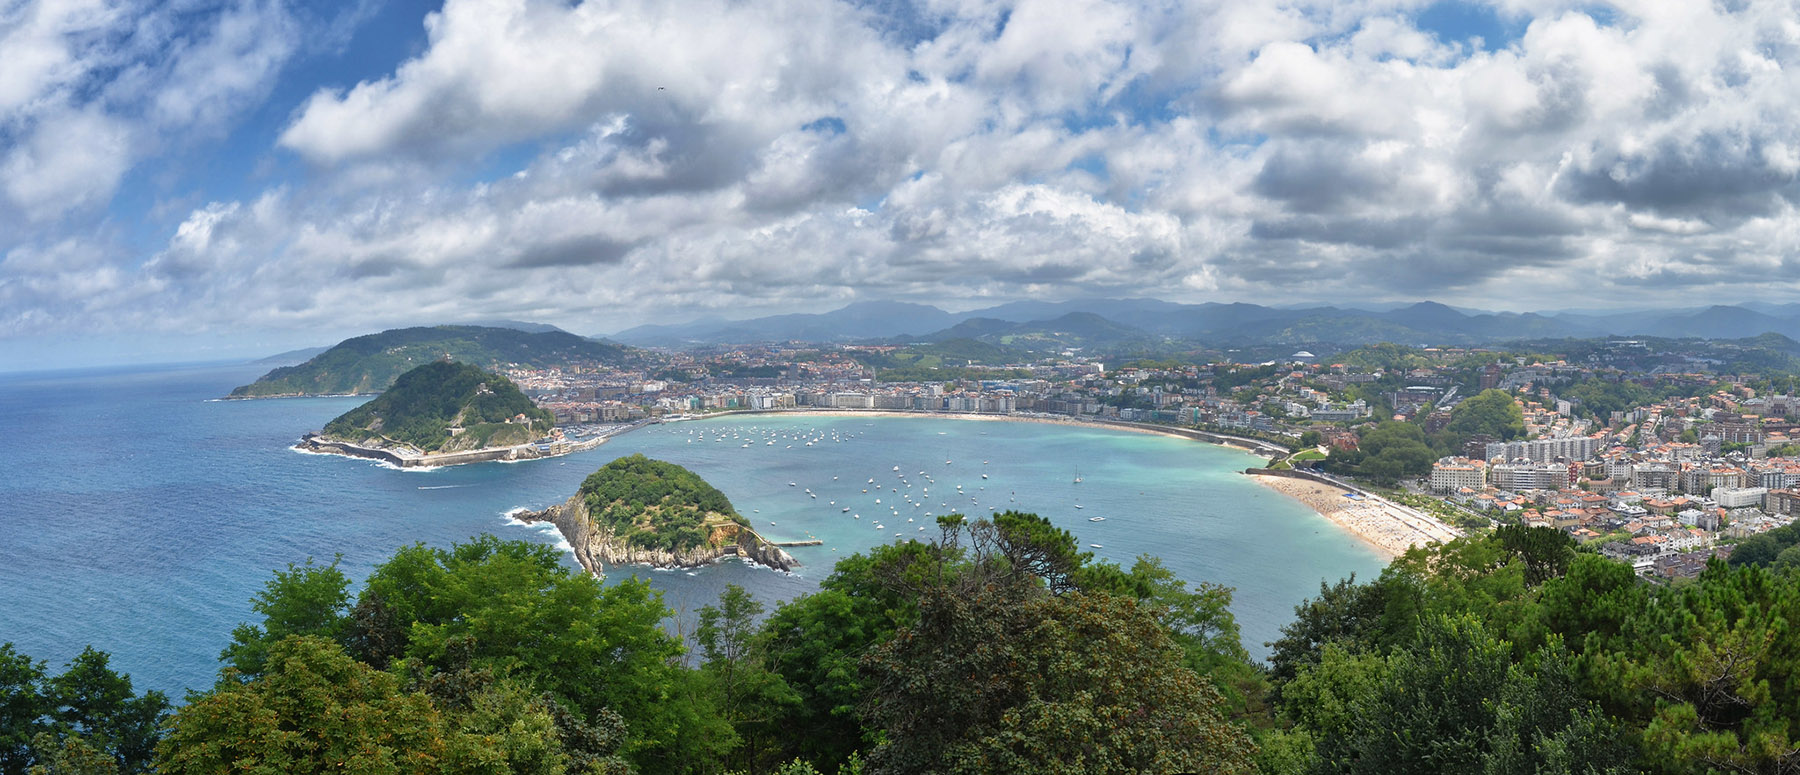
[{"x": 218, "y": 177}]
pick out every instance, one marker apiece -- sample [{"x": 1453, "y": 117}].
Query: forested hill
[
  {"x": 427, "y": 404},
  {"x": 370, "y": 363},
  {"x": 655, "y": 504}
]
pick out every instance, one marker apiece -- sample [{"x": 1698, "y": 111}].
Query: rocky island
[
  {"x": 443, "y": 413},
  {"x": 636, "y": 510}
]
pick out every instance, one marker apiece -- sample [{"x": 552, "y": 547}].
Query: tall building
[
  {"x": 1490, "y": 376},
  {"x": 1453, "y": 474},
  {"x": 1544, "y": 450}
]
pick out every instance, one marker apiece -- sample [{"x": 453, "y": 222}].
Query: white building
[
  {"x": 1544, "y": 450},
  {"x": 1453, "y": 474},
  {"x": 1529, "y": 476},
  {"x": 1739, "y": 497}
]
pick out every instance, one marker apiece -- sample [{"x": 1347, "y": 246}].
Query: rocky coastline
[
  {"x": 320, "y": 444},
  {"x": 596, "y": 547}
]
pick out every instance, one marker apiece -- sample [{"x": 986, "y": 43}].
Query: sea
[{"x": 139, "y": 513}]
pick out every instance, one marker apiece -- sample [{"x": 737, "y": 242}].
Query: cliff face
[{"x": 596, "y": 546}]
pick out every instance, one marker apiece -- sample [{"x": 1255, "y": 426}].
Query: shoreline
[
  {"x": 1240, "y": 443},
  {"x": 1387, "y": 527},
  {"x": 313, "y": 443}
]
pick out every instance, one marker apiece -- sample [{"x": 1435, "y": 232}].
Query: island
[
  {"x": 444, "y": 413},
  {"x": 636, "y": 510},
  {"x": 370, "y": 364}
]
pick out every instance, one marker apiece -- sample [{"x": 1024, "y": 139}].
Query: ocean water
[{"x": 139, "y": 515}]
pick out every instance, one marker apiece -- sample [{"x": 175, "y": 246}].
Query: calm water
[{"x": 139, "y": 516}]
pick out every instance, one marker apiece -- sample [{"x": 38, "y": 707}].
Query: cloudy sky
[{"x": 218, "y": 176}]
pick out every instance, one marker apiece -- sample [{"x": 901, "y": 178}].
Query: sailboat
[{"x": 1078, "y": 476}]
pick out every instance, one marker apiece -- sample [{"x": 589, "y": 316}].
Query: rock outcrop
[{"x": 597, "y": 547}]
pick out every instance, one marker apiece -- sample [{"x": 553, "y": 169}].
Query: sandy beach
[{"x": 1389, "y": 527}]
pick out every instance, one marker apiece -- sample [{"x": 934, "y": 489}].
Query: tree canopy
[{"x": 654, "y": 503}]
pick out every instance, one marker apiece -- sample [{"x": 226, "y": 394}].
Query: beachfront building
[
  {"x": 1529, "y": 476},
  {"x": 1544, "y": 450},
  {"x": 1453, "y": 474}
]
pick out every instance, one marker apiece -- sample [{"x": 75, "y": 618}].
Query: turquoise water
[{"x": 139, "y": 516}]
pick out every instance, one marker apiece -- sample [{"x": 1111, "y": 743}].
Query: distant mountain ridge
[
  {"x": 370, "y": 363},
  {"x": 1112, "y": 321}
]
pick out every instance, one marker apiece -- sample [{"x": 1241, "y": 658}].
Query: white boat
[
  {"x": 1078, "y": 505},
  {"x": 984, "y": 476},
  {"x": 1096, "y": 546},
  {"x": 846, "y": 508},
  {"x": 1096, "y": 519},
  {"x": 791, "y": 484}
]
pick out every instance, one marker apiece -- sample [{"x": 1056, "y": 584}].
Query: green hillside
[
  {"x": 427, "y": 403},
  {"x": 369, "y": 364},
  {"x": 659, "y": 505}
]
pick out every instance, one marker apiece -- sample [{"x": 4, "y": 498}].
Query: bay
[{"x": 139, "y": 515}]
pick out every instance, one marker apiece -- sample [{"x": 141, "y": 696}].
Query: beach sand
[{"x": 1389, "y": 527}]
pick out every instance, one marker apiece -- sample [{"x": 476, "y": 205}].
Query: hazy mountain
[
  {"x": 291, "y": 357},
  {"x": 1233, "y": 324},
  {"x": 516, "y": 325},
  {"x": 370, "y": 363},
  {"x": 862, "y": 320}
]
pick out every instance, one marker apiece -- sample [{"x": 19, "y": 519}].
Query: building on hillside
[
  {"x": 1529, "y": 476},
  {"x": 1544, "y": 450},
  {"x": 1454, "y": 474}
]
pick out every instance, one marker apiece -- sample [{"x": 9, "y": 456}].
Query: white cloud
[
  {"x": 761, "y": 155},
  {"x": 90, "y": 88}
]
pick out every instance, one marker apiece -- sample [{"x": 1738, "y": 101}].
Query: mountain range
[{"x": 1115, "y": 321}]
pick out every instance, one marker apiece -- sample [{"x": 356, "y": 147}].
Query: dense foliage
[
  {"x": 655, "y": 504},
  {"x": 1000, "y": 647},
  {"x": 1514, "y": 653},
  {"x": 84, "y": 719},
  {"x": 425, "y": 403},
  {"x": 1386, "y": 453},
  {"x": 371, "y": 363},
  {"x": 1491, "y": 412}
]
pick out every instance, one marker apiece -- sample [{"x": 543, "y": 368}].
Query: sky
[{"x": 199, "y": 178}]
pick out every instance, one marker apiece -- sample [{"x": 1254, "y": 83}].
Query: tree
[
  {"x": 1454, "y": 701},
  {"x": 1546, "y": 552},
  {"x": 1044, "y": 683},
  {"x": 1007, "y": 670},
  {"x": 816, "y": 643},
  {"x": 312, "y": 709},
  {"x": 516, "y": 608},
  {"x": 69, "y": 755},
  {"x": 749, "y": 696},
  {"x": 23, "y": 706},
  {"x": 90, "y": 700},
  {"x": 303, "y": 600},
  {"x": 1200, "y": 622},
  {"x": 1492, "y": 412}
]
